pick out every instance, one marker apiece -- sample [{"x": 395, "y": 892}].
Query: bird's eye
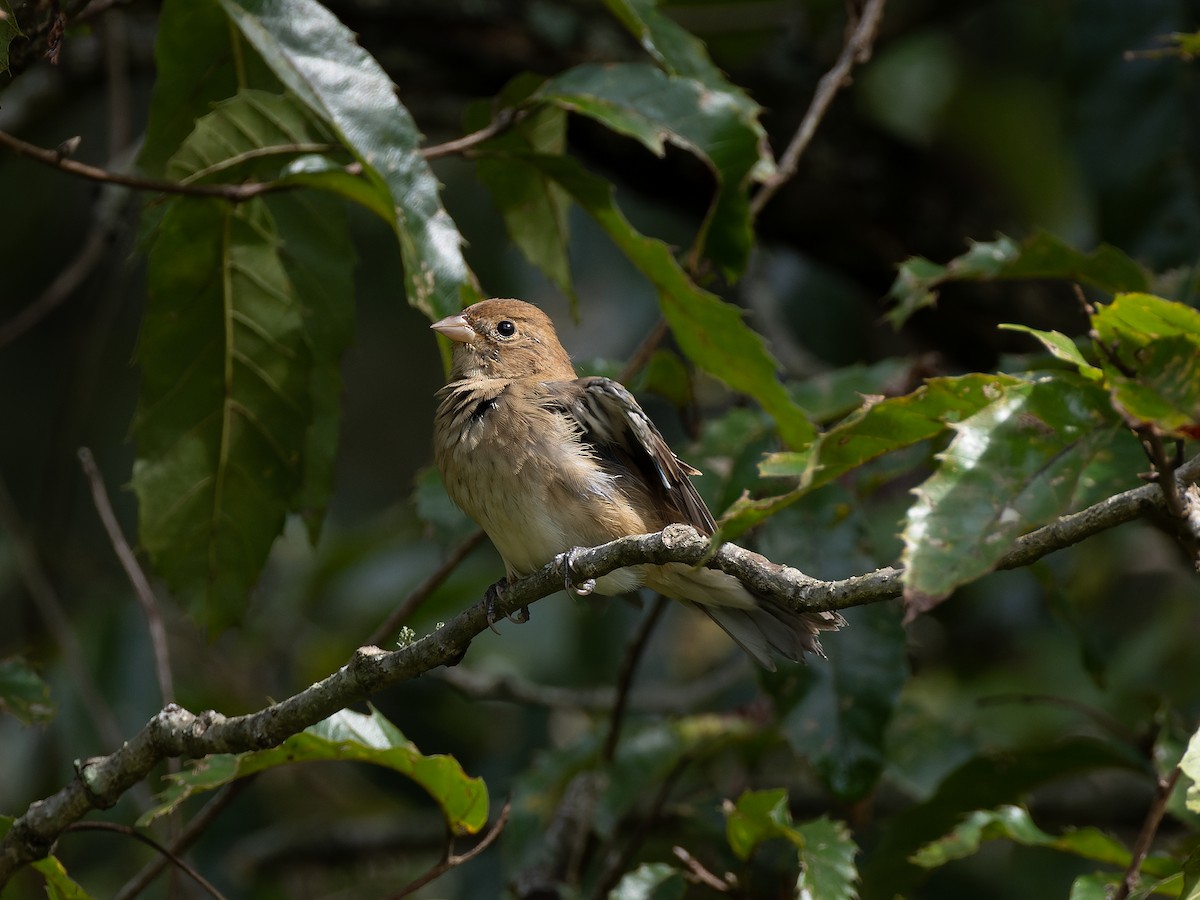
[{"x": 506, "y": 328}]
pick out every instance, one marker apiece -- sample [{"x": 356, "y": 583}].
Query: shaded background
[{"x": 973, "y": 118}]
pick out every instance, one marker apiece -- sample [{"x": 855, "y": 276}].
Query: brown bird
[{"x": 546, "y": 462}]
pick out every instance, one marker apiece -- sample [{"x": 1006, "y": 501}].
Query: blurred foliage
[{"x": 980, "y": 280}]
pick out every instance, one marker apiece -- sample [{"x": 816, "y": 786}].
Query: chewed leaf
[
  {"x": 345, "y": 736},
  {"x": 1013, "y": 466}
]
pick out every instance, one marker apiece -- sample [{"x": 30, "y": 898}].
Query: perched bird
[{"x": 545, "y": 462}]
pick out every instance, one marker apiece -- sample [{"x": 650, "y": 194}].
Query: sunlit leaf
[
  {"x": 59, "y": 885},
  {"x": 346, "y": 736},
  {"x": 650, "y": 881},
  {"x": 1039, "y": 256},
  {"x": 827, "y": 867},
  {"x": 1190, "y": 764},
  {"x": 1061, "y": 347},
  {"x": 711, "y": 332},
  {"x": 756, "y": 817},
  {"x": 1015, "y": 465},
  {"x": 23, "y": 694},
  {"x": 318, "y": 59}
]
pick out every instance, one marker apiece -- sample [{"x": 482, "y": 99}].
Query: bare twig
[
  {"x": 452, "y": 860},
  {"x": 699, "y": 873},
  {"x": 641, "y": 356},
  {"x": 175, "y": 731},
  {"x": 141, "y": 586},
  {"x": 199, "y": 822},
  {"x": 150, "y": 842},
  {"x": 504, "y": 120},
  {"x": 1145, "y": 838},
  {"x": 402, "y": 613},
  {"x": 633, "y": 655},
  {"x": 856, "y": 50}
]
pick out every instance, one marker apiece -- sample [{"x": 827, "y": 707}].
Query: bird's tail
[{"x": 770, "y": 626}]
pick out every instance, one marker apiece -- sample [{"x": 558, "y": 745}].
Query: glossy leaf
[
  {"x": 318, "y": 59},
  {"x": 827, "y": 867},
  {"x": 1039, "y": 256},
  {"x": 711, "y": 122},
  {"x": 1014, "y": 823},
  {"x": 1014, "y": 465},
  {"x": 346, "y": 736},
  {"x": 711, "y": 332},
  {"x": 877, "y": 428},
  {"x": 1061, "y": 347},
  {"x": 9, "y": 31},
  {"x": 226, "y": 407},
  {"x": 840, "y": 718},
  {"x": 23, "y": 694},
  {"x": 984, "y": 782}
]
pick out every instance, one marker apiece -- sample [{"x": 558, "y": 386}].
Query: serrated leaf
[
  {"x": 839, "y": 721},
  {"x": 23, "y": 694},
  {"x": 1014, "y": 465},
  {"x": 1039, "y": 256},
  {"x": 984, "y": 782},
  {"x": 225, "y": 407},
  {"x": 827, "y": 861},
  {"x": 712, "y": 122},
  {"x": 318, "y": 59},
  {"x": 1013, "y": 823},
  {"x": 877, "y": 428},
  {"x": 650, "y": 881},
  {"x": 9, "y": 31},
  {"x": 1061, "y": 347},
  {"x": 709, "y": 331},
  {"x": 346, "y": 736}
]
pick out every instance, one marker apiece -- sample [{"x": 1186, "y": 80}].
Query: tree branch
[{"x": 174, "y": 731}]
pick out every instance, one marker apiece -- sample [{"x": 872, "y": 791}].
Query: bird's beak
[{"x": 455, "y": 328}]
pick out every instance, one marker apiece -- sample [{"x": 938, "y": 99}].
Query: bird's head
[{"x": 505, "y": 339}]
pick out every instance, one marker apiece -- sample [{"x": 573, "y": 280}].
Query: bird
[{"x": 546, "y": 462}]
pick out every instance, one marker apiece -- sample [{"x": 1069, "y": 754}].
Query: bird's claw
[
  {"x": 492, "y": 596},
  {"x": 579, "y": 590}
]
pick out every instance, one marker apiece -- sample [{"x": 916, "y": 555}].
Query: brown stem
[
  {"x": 1145, "y": 838},
  {"x": 452, "y": 860},
  {"x": 633, "y": 655},
  {"x": 150, "y": 842}
]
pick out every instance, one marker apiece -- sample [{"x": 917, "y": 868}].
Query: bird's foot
[
  {"x": 492, "y": 596},
  {"x": 579, "y": 590}
]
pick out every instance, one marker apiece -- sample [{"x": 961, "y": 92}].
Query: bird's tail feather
[{"x": 772, "y": 626}]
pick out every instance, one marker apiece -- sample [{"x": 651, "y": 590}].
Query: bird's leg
[{"x": 569, "y": 585}]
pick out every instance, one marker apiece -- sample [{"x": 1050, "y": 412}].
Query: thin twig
[
  {"x": 504, "y": 120},
  {"x": 856, "y": 50},
  {"x": 641, "y": 355},
  {"x": 699, "y": 873},
  {"x": 1141, "y": 847},
  {"x": 633, "y": 655},
  {"x": 137, "y": 578},
  {"x": 188, "y": 836},
  {"x": 51, "y": 610},
  {"x": 150, "y": 842},
  {"x": 452, "y": 860},
  {"x": 418, "y": 595}
]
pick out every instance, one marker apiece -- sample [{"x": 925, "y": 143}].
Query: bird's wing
[{"x": 620, "y": 431}]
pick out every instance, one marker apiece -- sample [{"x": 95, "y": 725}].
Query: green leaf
[
  {"x": 23, "y": 694},
  {"x": 713, "y": 122},
  {"x": 1014, "y": 465},
  {"x": 756, "y": 817},
  {"x": 225, "y": 408},
  {"x": 984, "y": 782},
  {"x": 346, "y": 736},
  {"x": 827, "y": 861},
  {"x": 533, "y": 206},
  {"x": 9, "y": 31},
  {"x": 1014, "y": 823},
  {"x": 1190, "y": 764},
  {"x": 1155, "y": 377},
  {"x": 840, "y": 719},
  {"x": 710, "y": 332},
  {"x": 830, "y": 395},
  {"x": 1061, "y": 347},
  {"x": 59, "y": 885},
  {"x": 650, "y": 881},
  {"x": 1191, "y": 876},
  {"x": 1096, "y": 886},
  {"x": 317, "y": 58},
  {"x": 1039, "y": 256},
  {"x": 877, "y": 428}
]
